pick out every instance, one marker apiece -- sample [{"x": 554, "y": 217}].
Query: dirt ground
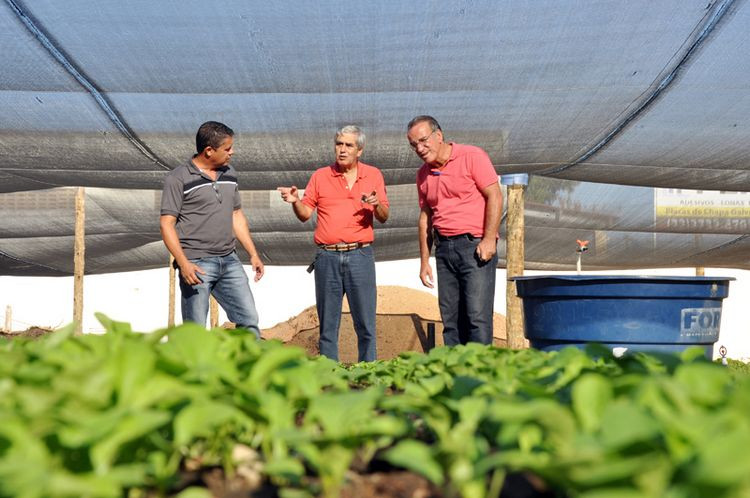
[
  {"x": 32, "y": 332},
  {"x": 403, "y": 321}
]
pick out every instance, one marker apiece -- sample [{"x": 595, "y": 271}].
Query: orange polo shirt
[{"x": 342, "y": 216}]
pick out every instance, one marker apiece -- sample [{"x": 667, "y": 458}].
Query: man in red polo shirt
[
  {"x": 347, "y": 195},
  {"x": 461, "y": 203}
]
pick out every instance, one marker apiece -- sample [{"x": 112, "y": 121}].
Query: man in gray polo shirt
[{"x": 201, "y": 220}]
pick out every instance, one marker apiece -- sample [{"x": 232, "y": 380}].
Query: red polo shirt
[
  {"x": 454, "y": 193},
  {"x": 342, "y": 216}
]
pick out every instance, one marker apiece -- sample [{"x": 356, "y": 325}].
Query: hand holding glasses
[{"x": 372, "y": 198}]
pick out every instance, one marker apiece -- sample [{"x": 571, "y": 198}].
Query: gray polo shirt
[{"x": 203, "y": 209}]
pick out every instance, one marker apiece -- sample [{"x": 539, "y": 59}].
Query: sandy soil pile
[{"x": 403, "y": 319}]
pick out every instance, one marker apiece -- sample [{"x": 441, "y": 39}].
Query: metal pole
[
  {"x": 430, "y": 336},
  {"x": 79, "y": 252}
]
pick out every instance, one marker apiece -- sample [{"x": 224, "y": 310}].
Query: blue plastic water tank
[{"x": 633, "y": 313}]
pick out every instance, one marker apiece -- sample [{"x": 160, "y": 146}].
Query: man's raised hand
[{"x": 289, "y": 194}]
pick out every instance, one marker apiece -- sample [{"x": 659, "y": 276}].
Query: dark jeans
[
  {"x": 466, "y": 290},
  {"x": 351, "y": 273},
  {"x": 226, "y": 279}
]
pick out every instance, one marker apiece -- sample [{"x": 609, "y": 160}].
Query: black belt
[{"x": 449, "y": 237}]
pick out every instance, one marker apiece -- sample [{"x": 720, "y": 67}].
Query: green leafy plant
[{"x": 126, "y": 413}]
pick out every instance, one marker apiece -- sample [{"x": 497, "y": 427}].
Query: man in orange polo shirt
[
  {"x": 348, "y": 195},
  {"x": 461, "y": 203}
]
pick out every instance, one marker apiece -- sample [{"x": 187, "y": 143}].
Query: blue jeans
[
  {"x": 226, "y": 279},
  {"x": 351, "y": 273},
  {"x": 466, "y": 290}
]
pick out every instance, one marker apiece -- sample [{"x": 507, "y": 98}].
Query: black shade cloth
[{"x": 606, "y": 100}]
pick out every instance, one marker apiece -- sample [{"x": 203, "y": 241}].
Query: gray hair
[{"x": 354, "y": 130}]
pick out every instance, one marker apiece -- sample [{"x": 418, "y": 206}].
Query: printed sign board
[{"x": 701, "y": 210}]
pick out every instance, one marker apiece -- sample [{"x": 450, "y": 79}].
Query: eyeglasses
[
  {"x": 421, "y": 141},
  {"x": 217, "y": 192}
]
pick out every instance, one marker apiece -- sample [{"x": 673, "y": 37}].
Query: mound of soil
[
  {"x": 403, "y": 320},
  {"x": 32, "y": 332}
]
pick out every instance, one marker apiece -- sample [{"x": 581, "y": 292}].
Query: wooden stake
[
  {"x": 8, "y": 319},
  {"x": 214, "y": 308},
  {"x": 515, "y": 248},
  {"x": 172, "y": 286},
  {"x": 79, "y": 252}
]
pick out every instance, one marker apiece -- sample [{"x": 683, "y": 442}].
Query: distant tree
[{"x": 546, "y": 190}]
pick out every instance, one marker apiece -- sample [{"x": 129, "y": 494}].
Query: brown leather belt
[{"x": 344, "y": 246}]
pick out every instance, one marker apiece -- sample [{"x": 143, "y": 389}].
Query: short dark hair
[
  {"x": 424, "y": 119},
  {"x": 211, "y": 134}
]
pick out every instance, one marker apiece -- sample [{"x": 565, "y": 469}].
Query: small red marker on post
[{"x": 583, "y": 245}]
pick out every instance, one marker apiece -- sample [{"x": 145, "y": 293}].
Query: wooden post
[
  {"x": 79, "y": 252},
  {"x": 214, "y": 308},
  {"x": 8, "y": 319},
  {"x": 172, "y": 289},
  {"x": 700, "y": 271},
  {"x": 514, "y": 254}
]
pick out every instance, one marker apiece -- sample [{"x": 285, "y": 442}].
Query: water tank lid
[
  {"x": 515, "y": 179},
  {"x": 594, "y": 278}
]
